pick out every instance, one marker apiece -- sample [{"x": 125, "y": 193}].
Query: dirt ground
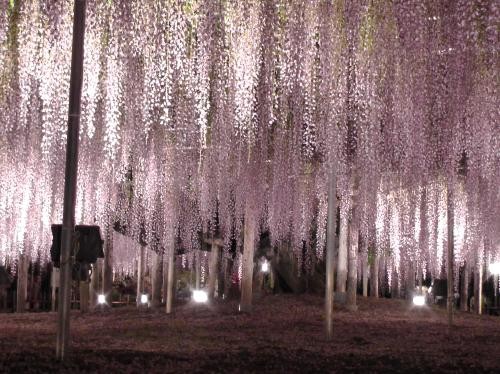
[{"x": 283, "y": 334}]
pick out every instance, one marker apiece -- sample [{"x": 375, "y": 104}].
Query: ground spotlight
[
  {"x": 200, "y": 296},
  {"x": 144, "y": 299},
  {"x": 264, "y": 267},
  {"x": 419, "y": 300},
  {"x": 101, "y": 299}
]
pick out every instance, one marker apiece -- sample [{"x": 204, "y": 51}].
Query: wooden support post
[
  {"x": 449, "y": 263},
  {"x": 156, "y": 280},
  {"x": 464, "y": 289},
  {"x": 247, "y": 266},
  {"x": 22, "y": 283},
  {"x": 197, "y": 269},
  {"x": 94, "y": 283},
  {"x": 170, "y": 278},
  {"x": 478, "y": 288},
  {"x": 330, "y": 249},
  {"x": 495, "y": 290},
  {"x": 342, "y": 257},
  {"x": 419, "y": 278},
  {"x": 84, "y": 296},
  {"x": 352, "y": 278},
  {"x": 410, "y": 281},
  {"x": 374, "y": 289},
  {"x": 213, "y": 270},
  {"x": 140, "y": 275},
  {"x": 365, "y": 274},
  {"x": 107, "y": 270},
  {"x": 54, "y": 286}
]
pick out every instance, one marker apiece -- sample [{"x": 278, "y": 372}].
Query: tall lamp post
[{"x": 68, "y": 225}]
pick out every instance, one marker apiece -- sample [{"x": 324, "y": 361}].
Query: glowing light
[
  {"x": 144, "y": 299},
  {"x": 101, "y": 299},
  {"x": 264, "y": 267},
  {"x": 200, "y": 296},
  {"x": 419, "y": 300}
]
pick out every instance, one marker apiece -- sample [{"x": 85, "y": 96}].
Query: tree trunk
[
  {"x": 247, "y": 266},
  {"x": 213, "y": 270},
  {"x": 342, "y": 259},
  {"x": 156, "y": 280},
  {"x": 22, "y": 283}
]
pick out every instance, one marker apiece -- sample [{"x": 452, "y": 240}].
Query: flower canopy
[{"x": 198, "y": 113}]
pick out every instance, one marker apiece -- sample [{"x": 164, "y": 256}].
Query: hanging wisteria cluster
[{"x": 198, "y": 114}]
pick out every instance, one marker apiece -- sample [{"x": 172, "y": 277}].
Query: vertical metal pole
[
  {"x": 450, "y": 256},
  {"x": 330, "y": 249},
  {"x": 68, "y": 226}
]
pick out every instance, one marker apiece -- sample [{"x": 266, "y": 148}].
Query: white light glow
[
  {"x": 101, "y": 299},
  {"x": 495, "y": 268},
  {"x": 419, "y": 300},
  {"x": 200, "y": 296},
  {"x": 144, "y": 299}
]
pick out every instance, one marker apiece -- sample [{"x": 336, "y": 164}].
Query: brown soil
[{"x": 283, "y": 334}]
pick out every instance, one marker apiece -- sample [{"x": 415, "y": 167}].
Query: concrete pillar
[
  {"x": 342, "y": 258},
  {"x": 213, "y": 271},
  {"x": 156, "y": 280},
  {"x": 22, "y": 283},
  {"x": 247, "y": 266}
]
